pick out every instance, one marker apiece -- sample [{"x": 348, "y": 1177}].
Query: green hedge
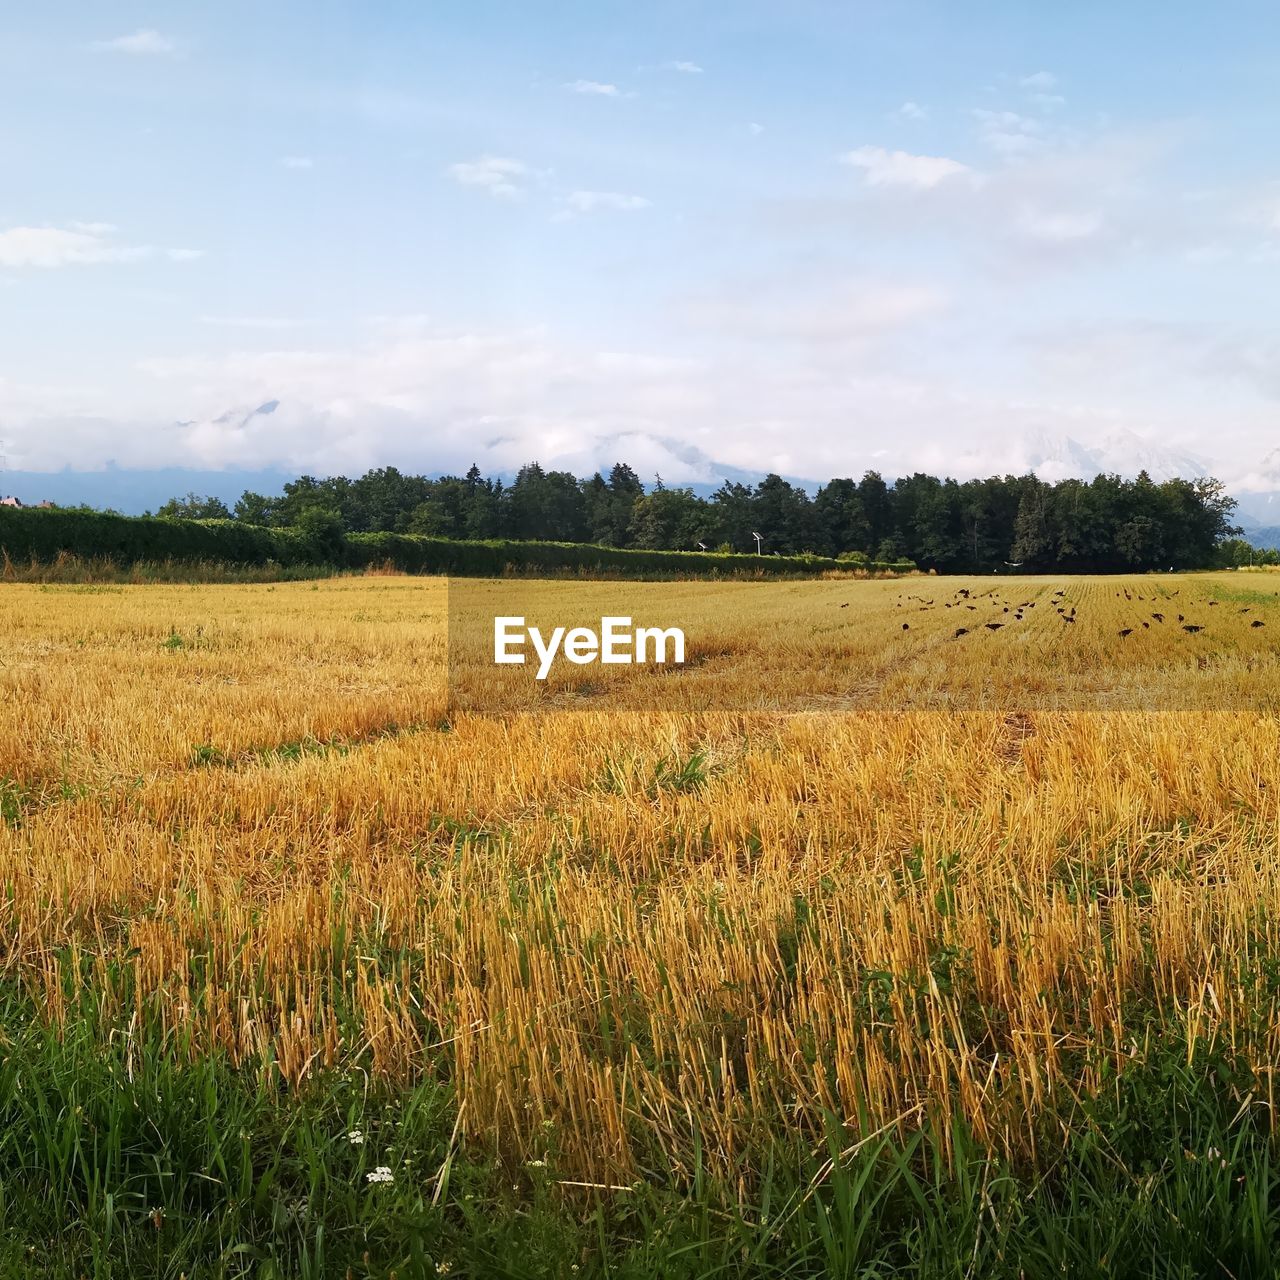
[
  {"x": 28, "y": 534},
  {"x": 415, "y": 554},
  {"x": 42, "y": 535}
]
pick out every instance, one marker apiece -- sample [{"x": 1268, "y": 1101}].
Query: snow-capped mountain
[{"x": 1122, "y": 452}]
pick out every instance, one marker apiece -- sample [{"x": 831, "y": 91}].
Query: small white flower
[
  {"x": 537, "y": 1164},
  {"x": 443, "y": 1268},
  {"x": 381, "y": 1174},
  {"x": 356, "y": 1138}
]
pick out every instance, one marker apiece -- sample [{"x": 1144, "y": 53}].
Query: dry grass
[{"x": 631, "y": 930}]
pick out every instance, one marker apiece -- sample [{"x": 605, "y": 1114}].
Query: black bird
[
  {"x": 1067, "y": 619},
  {"x": 1159, "y": 617},
  {"x": 1006, "y": 609},
  {"x": 845, "y": 605},
  {"x": 971, "y": 606},
  {"x": 1146, "y": 626},
  {"x": 993, "y": 626},
  {"x": 1181, "y": 618},
  {"x": 1213, "y": 604},
  {"x": 906, "y": 626},
  {"x": 1128, "y": 631},
  {"x": 1257, "y": 622},
  {"x": 1192, "y": 629},
  {"x": 1245, "y": 609},
  {"x": 961, "y": 631},
  {"x": 1018, "y": 616}
]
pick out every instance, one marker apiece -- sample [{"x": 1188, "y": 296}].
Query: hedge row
[
  {"x": 28, "y": 535},
  {"x": 414, "y": 554}
]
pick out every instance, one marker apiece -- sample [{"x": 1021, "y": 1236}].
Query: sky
[{"x": 796, "y": 236}]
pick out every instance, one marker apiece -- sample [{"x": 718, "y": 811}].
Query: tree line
[{"x": 1100, "y": 525}]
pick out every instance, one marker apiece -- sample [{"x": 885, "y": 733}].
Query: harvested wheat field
[{"x": 896, "y": 950}]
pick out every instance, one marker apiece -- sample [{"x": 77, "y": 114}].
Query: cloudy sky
[{"x": 792, "y": 235}]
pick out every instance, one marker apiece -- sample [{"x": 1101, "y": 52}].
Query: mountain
[
  {"x": 1258, "y": 531},
  {"x": 1121, "y": 453},
  {"x": 131, "y": 491},
  {"x": 1263, "y": 535},
  {"x": 1050, "y": 456}
]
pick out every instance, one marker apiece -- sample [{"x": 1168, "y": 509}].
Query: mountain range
[{"x": 1049, "y": 456}]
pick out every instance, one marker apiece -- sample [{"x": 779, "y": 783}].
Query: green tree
[
  {"x": 194, "y": 507},
  {"x": 254, "y": 508},
  {"x": 670, "y": 520},
  {"x": 1033, "y": 544},
  {"x": 840, "y": 519},
  {"x": 322, "y": 535}
]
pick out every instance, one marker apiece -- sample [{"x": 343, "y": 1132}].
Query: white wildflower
[
  {"x": 381, "y": 1174},
  {"x": 356, "y": 1138}
]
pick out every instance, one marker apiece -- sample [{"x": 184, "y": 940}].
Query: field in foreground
[{"x": 821, "y": 989}]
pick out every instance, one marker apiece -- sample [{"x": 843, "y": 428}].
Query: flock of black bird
[
  {"x": 1191, "y": 628},
  {"x": 965, "y": 599}
]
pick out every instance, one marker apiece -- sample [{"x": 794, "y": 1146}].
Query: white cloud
[
  {"x": 1058, "y": 227},
  {"x": 902, "y": 169},
  {"x": 425, "y": 397},
  {"x": 815, "y": 312},
  {"x": 688, "y": 68},
  {"x": 1039, "y": 80},
  {"x": 59, "y": 247},
  {"x": 754, "y": 129},
  {"x": 80, "y": 244},
  {"x": 591, "y": 201},
  {"x": 594, "y": 87},
  {"x": 1008, "y": 133},
  {"x": 500, "y": 176},
  {"x": 145, "y": 41},
  {"x": 812, "y": 380},
  {"x": 297, "y": 162},
  {"x": 912, "y": 111}
]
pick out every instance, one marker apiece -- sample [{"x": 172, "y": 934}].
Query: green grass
[
  {"x": 119, "y": 1157},
  {"x": 67, "y": 572},
  {"x": 205, "y": 755}
]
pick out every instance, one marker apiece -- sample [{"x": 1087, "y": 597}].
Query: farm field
[{"x": 861, "y": 947}]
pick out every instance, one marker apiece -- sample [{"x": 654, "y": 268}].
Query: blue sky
[{"x": 802, "y": 236}]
